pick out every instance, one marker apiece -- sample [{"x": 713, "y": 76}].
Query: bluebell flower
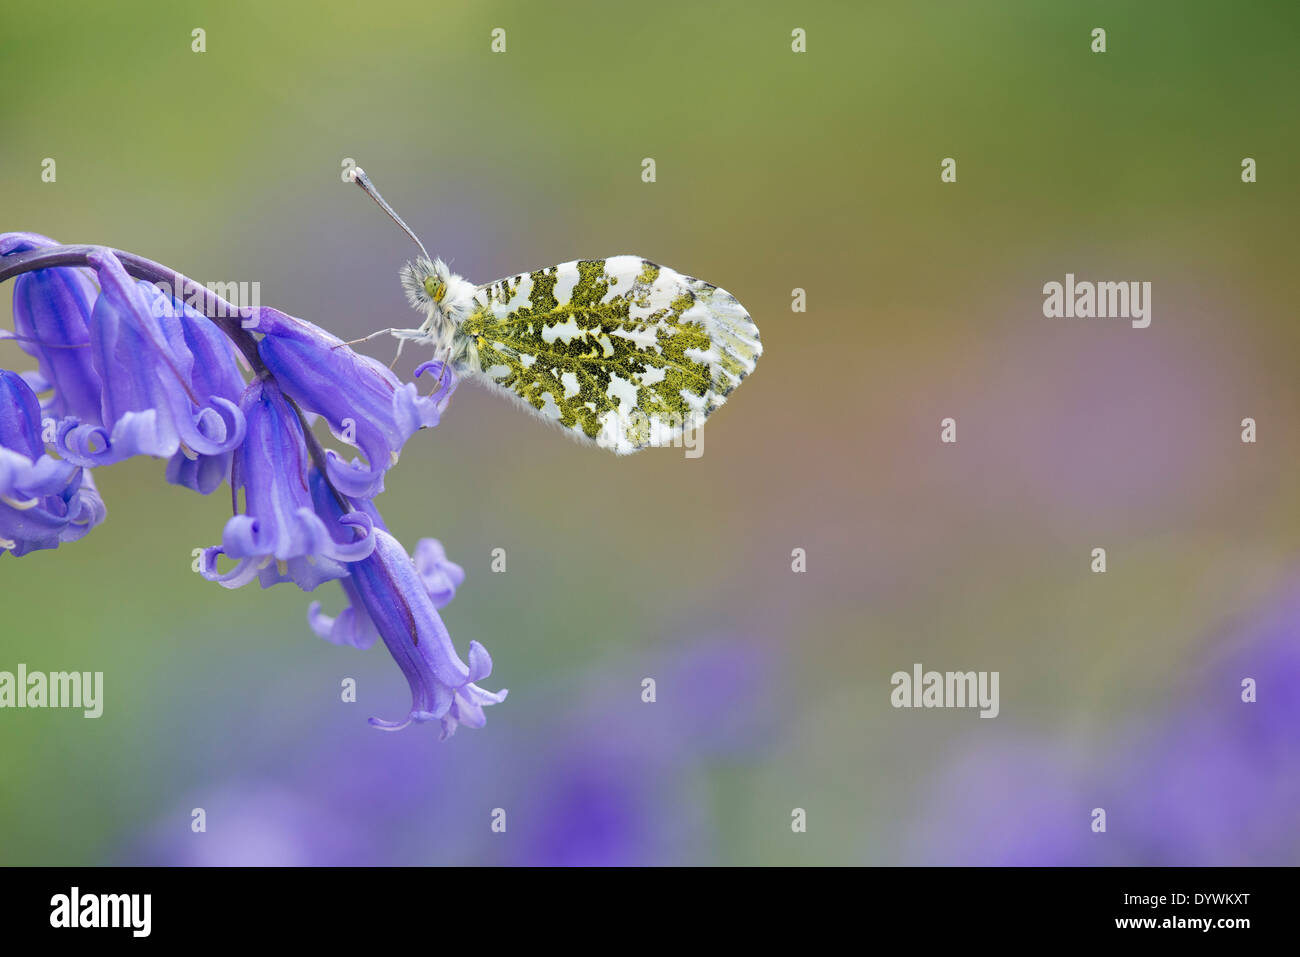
[
  {"x": 377, "y": 412},
  {"x": 134, "y": 369},
  {"x": 148, "y": 403},
  {"x": 43, "y": 501},
  {"x": 354, "y": 627},
  {"x": 51, "y": 310},
  {"x": 441, "y": 576},
  {"x": 280, "y": 537},
  {"x": 215, "y": 374},
  {"x": 395, "y": 597},
  {"x": 443, "y": 687}
]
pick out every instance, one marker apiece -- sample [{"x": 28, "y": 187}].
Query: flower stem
[{"x": 228, "y": 317}]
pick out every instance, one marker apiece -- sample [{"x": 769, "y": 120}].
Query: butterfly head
[{"x": 444, "y": 298}]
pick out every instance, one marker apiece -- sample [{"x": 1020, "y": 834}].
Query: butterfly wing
[{"x": 621, "y": 352}]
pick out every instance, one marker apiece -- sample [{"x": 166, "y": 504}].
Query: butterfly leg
[
  {"x": 400, "y": 334},
  {"x": 446, "y": 361},
  {"x": 400, "y": 343},
  {"x": 357, "y": 342}
]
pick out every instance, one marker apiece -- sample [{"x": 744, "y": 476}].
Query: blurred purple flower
[
  {"x": 608, "y": 780},
  {"x": 257, "y": 825},
  {"x": 1008, "y": 803},
  {"x": 1217, "y": 780},
  {"x": 1210, "y": 780}
]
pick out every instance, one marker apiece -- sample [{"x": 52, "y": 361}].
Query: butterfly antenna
[{"x": 361, "y": 179}]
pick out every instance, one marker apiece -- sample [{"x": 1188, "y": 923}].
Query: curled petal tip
[
  {"x": 480, "y": 662},
  {"x": 383, "y": 725}
]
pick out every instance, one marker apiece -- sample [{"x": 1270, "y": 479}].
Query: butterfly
[{"x": 620, "y": 352}]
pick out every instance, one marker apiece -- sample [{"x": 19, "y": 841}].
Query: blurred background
[{"x": 775, "y": 170}]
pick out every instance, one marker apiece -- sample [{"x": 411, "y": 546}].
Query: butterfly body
[{"x": 622, "y": 352}]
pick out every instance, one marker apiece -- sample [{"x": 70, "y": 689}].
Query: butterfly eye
[{"x": 435, "y": 287}]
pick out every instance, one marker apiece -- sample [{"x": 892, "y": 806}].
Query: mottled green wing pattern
[{"x": 620, "y": 351}]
